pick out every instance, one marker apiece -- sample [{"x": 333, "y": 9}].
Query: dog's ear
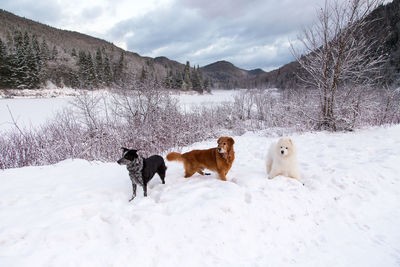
[
  {"x": 231, "y": 141},
  {"x": 290, "y": 141},
  {"x": 124, "y": 149},
  {"x": 219, "y": 139}
]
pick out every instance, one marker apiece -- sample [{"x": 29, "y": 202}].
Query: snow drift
[{"x": 76, "y": 213}]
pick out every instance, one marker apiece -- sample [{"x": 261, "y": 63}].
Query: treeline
[
  {"x": 187, "y": 80},
  {"x": 27, "y": 62},
  {"x": 22, "y": 60},
  {"x": 98, "y": 71}
]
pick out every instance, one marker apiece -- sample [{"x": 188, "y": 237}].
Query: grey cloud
[
  {"x": 47, "y": 11},
  {"x": 236, "y": 30},
  {"x": 199, "y": 31},
  {"x": 221, "y": 8},
  {"x": 92, "y": 13}
]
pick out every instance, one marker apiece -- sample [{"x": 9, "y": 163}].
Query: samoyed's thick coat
[{"x": 282, "y": 159}]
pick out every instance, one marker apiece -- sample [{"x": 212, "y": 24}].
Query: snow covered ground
[
  {"x": 29, "y": 112},
  {"x": 76, "y": 213},
  {"x": 188, "y": 101}
]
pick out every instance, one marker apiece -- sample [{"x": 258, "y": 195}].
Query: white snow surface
[{"x": 76, "y": 213}]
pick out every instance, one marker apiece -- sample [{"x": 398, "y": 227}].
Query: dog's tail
[{"x": 174, "y": 156}]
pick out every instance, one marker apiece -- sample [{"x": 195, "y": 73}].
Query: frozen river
[{"x": 32, "y": 112}]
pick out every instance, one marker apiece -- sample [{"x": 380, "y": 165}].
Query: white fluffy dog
[{"x": 282, "y": 160}]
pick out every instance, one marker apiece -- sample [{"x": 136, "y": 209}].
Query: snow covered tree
[
  {"x": 143, "y": 74},
  {"x": 197, "y": 84},
  {"x": 107, "y": 78},
  {"x": 18, "y": 65},
  {"x": 99, "y": 66},
  {"x": 38, "y": 61},
  {"x": 341, "y": 60},
  {"x": 32, "y": 68},
  {"x": 119, "y": 70},
  {"x": 168, "y": 81},
  {"x": 44, "y": 51},
  {"x": 54, "y": 53},
  {"x": 178, "y": 80},
  {"x": 187, "y": 83},
  {"x": 73, "y": 52},
  {"x": 4, "y": 65},
  {"x": 206, "y": 85},
  {"x": 92, "y": 79}
]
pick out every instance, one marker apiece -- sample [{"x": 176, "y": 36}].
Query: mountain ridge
[{"x": 159, "y": 67}]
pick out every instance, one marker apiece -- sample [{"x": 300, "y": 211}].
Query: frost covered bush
[
  {"x": 299, "y": 109},
  {"x": 144, "y": 117},
  {"x": 148, "y": 119}
]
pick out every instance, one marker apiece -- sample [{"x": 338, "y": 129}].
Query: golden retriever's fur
[{"x": 218, "y": 159}]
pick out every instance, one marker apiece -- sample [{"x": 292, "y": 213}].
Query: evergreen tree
[
  {"x": 9, "y": 42},
  {"x": 118, "y": 70},
  {"x": 32, "y": 72},
  {"x": 206, "y": 85},
  {"x": 4, "y": 66},
  {"x": 44, "y": 57},
  {"x": 168, "y": 82},
  {"x": 196, "y": 80},
  {"x": 143, "y": 74},
  {"x": 99, "y": 67},
  {"x": 107, "y": 72},
  {"x": 187, "y": 83},
  {"x": 37, "y": 60},
  {"x": 44, "y": 51},
  {"x": 92, "y": 80},
  {"x": 19, "y": 66},
  {"x": 178, "y": 80},
  {"x": 54, "y": 53},
  {"x": 83, "y": 69}
]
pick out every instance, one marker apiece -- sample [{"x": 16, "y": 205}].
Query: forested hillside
[
  {"x": 385, "y": 27},
  {"x": 33, "y": 54}
]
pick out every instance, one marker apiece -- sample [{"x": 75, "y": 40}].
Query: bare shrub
[
  {"x": 145, "y": 118},
  {"x": 341, "y": 58},
  {"x": 152, "y": 122}
]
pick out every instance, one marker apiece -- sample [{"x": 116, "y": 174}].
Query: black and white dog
[{"x": 141, "y": 170}]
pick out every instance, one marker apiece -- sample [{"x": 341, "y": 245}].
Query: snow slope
[{"x": 76, "y": 213}]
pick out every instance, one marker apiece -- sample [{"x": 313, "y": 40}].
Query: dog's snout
[
  {"x": 282, "y": 152},
  {"x": 219, "y": 149}
]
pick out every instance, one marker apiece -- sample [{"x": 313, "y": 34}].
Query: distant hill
[
  {"x": 31, "y": 54},
  {"x": 225, "y": 75},
  {"x": 66, "y": 45},
  {"x": 73, "y": 59}
]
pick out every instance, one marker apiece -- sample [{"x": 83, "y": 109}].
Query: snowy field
[
  {"x": 76, "y": 213},
  {"x": 189, "y": 100},
  {"x": 32, "y": 112}
]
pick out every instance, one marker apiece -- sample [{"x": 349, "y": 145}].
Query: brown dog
[{"x": 218, "y": 159}]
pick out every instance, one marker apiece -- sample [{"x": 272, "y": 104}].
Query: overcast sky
[{"x": 249, "y": 33}]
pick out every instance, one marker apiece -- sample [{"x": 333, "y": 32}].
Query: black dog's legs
[
  {"x": 145, "y": 189},
  {"x": 134, "y": 191},
  {"x": 161, "y": 172}
]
